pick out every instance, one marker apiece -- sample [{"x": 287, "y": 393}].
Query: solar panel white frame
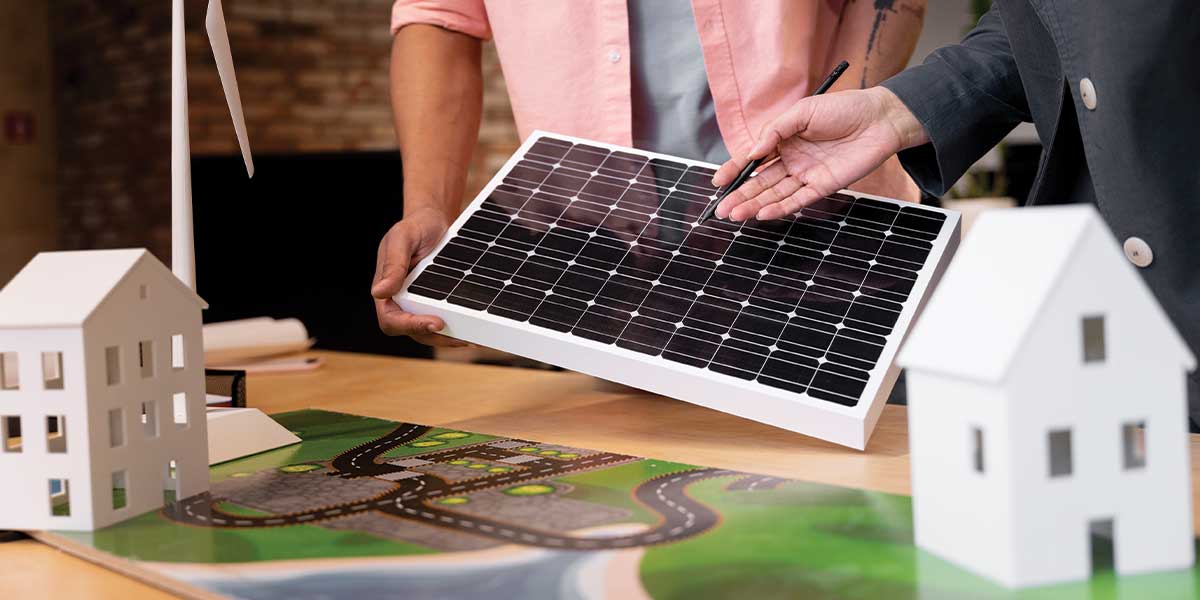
[{"x": 846, "y": 425}]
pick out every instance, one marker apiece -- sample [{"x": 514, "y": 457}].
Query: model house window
[
  {"x": 116, "y": 428},
  {"x": 1133, "y": 438},
  {"x": 150, "y": 419},
  {"x": 1093, "y": 339},
  {"x": 179, "y": 408},
  {"x": 56, "y": 434},
  {"x": 142, "y": 292},
  {"x": 52, "y": 370},
  {"x": 112, "y": 364},
  {"x": 10, "y": 430},
  {"x": 170, "y": 482},
  {"x": 977, "y": 449},
  {"x": 120, "y": 490},
  {"x": 60, "y": 498},
  {"x": 1060, "y": 452},
  {"x": 146, "y": 358},
  {"x": 9, "y": 378},
  {"x": 177, "y": 351}
]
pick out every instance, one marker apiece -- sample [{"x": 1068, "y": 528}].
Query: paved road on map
[
  {"x": 357, "y": 460},
  {"x": 413, "y": 496}
]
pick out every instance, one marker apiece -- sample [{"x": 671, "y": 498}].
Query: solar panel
[{"x": 589, "y": 256}]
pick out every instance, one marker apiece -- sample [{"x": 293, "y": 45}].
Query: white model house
[
  {"x": 1047, "y": 406},
  {"x": 102, "y": 405}
]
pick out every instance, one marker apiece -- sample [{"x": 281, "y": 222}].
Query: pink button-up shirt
[{"x": 566, "y": 62}]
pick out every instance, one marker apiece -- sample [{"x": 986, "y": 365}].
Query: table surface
[{"x": 554, "y": 407}]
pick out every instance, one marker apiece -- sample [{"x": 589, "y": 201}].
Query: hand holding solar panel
[
  {"x": 590, "y": 256},
  {"x": 824, "y": 144},
  {"x": 406, "y": 242}
]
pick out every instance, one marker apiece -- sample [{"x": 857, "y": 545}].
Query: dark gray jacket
[{"x": 1138, "y": 125}]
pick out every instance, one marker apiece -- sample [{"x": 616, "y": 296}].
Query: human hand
[
  {"x": 408, "y": 241},
  {"x": 824, "y": 143},
  {"x": 890, "y": 181}
]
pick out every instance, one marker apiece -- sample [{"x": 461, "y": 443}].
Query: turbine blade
[{"x": 218, "y": 37}]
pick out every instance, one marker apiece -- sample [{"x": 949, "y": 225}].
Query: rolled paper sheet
[
  {"x": 251, "y": 340},
  {"x": 245, "y": 333}
]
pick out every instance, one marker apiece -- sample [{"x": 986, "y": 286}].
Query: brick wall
[
  {"x": 313, "y": 76},
  {"x": 111, "y": 90}
]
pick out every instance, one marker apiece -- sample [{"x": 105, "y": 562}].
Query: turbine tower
[{"x": 183, "y": 250}]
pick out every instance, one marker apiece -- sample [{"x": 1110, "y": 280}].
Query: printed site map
[{"x": 370, "y": 508}]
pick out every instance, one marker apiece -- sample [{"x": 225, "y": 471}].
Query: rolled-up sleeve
[
  {"x": 968, "y": 96},
  {"x": 463, "y": 16}
]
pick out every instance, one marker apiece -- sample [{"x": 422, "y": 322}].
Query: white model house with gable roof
[
  {"x": 102, "y": 405},
  {"x": 1047, "y": 406}
]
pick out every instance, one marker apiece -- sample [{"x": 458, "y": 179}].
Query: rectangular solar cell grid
[{"x": 588, "y": 256}]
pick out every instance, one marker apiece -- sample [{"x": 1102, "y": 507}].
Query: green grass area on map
[
  {"x": 807, "y": 540},
  {"x": 438, "y": 439},
  {"x": 154, "y": 538},
  {"x": 614, "y": 486}
]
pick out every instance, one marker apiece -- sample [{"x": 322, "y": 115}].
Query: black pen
[{"x": 756, "y": 163}]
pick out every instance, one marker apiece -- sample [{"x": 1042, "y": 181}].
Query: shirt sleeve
[
  {"x": 464, "y": 16},
  {"x": 968, "y": 96}
]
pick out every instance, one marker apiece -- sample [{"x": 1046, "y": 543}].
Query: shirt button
[
  {"x": 1138, "y": 252},
  {"x": 1087, "y": 93},
  {"x": 614, "y": 56}
]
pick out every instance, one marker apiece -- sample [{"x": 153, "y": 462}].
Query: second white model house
[
  {"x": 1047, "y": 406},
  {"x": 102, "y": 405}
]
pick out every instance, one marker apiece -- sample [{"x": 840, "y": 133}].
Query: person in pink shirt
[{"x": 699, "y": 79}]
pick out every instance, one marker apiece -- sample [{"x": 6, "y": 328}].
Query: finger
[
  {"x": 393, "y": 320},
  {"x": 391, "y": 263},
  {"x": 768, "y": 196},
  {"x": 727, "y": 172},
  {"x": 790, "y": 205},
  {"x": 438, "y": 340},
  {"x": 790, "y": 123},
  {"x": 768, "y": 177}
]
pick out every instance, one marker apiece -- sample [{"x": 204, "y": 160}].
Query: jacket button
[
  {"x": 614, "y": 56},
  {"x": 1087, "y": 93},
  {"x": 1138, "y": 252}
]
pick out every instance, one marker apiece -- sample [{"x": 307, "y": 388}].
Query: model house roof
[
  {"x": 62, "y": 289},
  {"x": 1001, "y": 277}
]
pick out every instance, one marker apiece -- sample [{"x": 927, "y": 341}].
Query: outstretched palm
[{"x": 824, "y": 143}]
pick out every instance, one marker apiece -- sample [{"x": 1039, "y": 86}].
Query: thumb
[
  {"x": 790, "y": 123},
  {"x": 392, "y": 265}
]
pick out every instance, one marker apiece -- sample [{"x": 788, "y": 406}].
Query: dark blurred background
[{"x": 84, "y": 100}]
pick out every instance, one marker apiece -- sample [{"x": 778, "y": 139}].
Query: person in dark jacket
[{"x": 1110, "y": 85}]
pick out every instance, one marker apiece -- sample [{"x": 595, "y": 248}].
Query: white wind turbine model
[
  {"x": 183, "y": 250},
  {"x": 232, "y": 432}
]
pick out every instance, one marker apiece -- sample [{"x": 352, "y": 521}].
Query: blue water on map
[{"x": 552, "y": 575}]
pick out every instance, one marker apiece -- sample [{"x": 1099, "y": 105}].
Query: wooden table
[{"x": 565, "y": 408}]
